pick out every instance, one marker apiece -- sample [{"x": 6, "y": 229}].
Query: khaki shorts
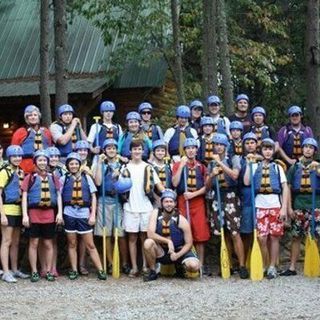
[
  {"x": 136, "y": 221},
  {"x": 110, "y": 212}
]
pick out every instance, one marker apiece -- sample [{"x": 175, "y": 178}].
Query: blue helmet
[
  {"x": 107, "y": 106},
  {"x": 133, "y": 115},
  {"x": 220, "y": 138},
  {"x": 109, "y": 142},
  {"x": 236, "y": 125},
  {"x": 183, "y": 112},
  {"x": 31, "y": 108},
  {"x": 294, "y": 109},
  {"x": 196, "y": 104},
  {"x": 41, "y": 153},
  {"x": 82, "y": 144},
  {"x": 267, "y": 142},
  {"x": 311, "y": 142},
  {"x": 258, "y": 109},
  {"x": 190, "y": 142},
  {"x": 73, "y": 156},
  {"x": 213, "y": 100},
  {"x": 14, "y": 151},
  {"x": 53, "y": 151},
  {"x": 206, "y": 121},
  {"x": 65, "y": 108},
  {"x": 168, "y": 193},
  {"x": 159, "y": 143},
  {"x": 144, "y": 106},
  {"x": 123, "y": 184},
  {"x": 242, "y": 96},
  {"x": 249, "y": 136}
]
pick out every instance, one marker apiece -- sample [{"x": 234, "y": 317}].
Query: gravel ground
[{"x": 210, "y": 298}]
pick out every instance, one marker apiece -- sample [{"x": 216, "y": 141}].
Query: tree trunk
[
  {"x": 60, "y": 38},
  {"x": 44, "y": 63},
  {"x": 178, "y": 73},
  {"x": 312, "y": 65},
  {"x": 225, "y": 67},
  {"x": 209, "y": 48}
]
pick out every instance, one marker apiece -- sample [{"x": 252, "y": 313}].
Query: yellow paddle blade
[
  {"x": 104, "y": 248},
  {"x": 116, "y": 257},
  {"x": 256, "y": 262},
  {"x": 312, "y": 258},
  {"x": 167, "y": 269},
  {"x": 224, "y": 258}
]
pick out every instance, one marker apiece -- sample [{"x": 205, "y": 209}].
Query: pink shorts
[{"x": 268, "y": 222}]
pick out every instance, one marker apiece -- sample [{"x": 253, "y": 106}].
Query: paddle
[
  {"x": 116, "y": 256},
  {"x": 104, "y": 235},
  {"x": 256, "y": 261},
  {"x": 96, "y": 119}
]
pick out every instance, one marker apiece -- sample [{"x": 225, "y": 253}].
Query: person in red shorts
[
  {"x": 271, "y": 200},
  {"x": 188, "y": 177},
  {"x": 31, "y": 137}
]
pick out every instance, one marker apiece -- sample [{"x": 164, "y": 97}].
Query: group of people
[{"x": 171, "y": 190}]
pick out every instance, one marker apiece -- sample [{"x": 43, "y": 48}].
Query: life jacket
[
  {"x": 165, "y": 175},
  {"x": 235, "y": 148},
  {"x": 225, "y": 181},
  {"x": 261, "y": 133},
  {"x": 107, "y": 133},
  {"x": 59, "y": 170},
  {"x": 174, "y": 143},
  {"x": 267, "y": 179},
  {"x": 151, "y": 131},
  {"x": 109, "y": 180},
  {"x": 11, "y": 193},
  {"x": 126, "y": 141},
  {"x": 292, "y": 145},
  {"x": 195, "y": 124},
  {"x": 34, "y": 141},
  {"x": 195, "y": 180},
  {"x": 76, "y": 193},
  {"x": 69, "y": 146},
  {"x": 170, "y": 229},
  {"x": 302, "y": 181},
  {"x": 206, "y": 150},
  {"x": 42, "y": 192}
]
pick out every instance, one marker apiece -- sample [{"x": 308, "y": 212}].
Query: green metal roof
[{"x": 87, "y": 54}]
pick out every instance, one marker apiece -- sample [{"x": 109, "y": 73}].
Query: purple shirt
[{"x": 283, "y": 133}]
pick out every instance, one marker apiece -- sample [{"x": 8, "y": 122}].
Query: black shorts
[
  {"x": 42, "y": 230},
  {"x": 14, "y": 221},
  {"x": 165, "y": 259}
]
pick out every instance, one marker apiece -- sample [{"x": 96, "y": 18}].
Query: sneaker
[
  {"x": 151, "y": 276},
  {"x": 50, "y": 276},
  {"x": 1, "y": 272},
  {"x": 133, "y": 273},
  {"x": 272, "y": 273},
  {"x": 20, "y": 274},
  {"x": 73, "y": 275},
  {"x": 125, "y": 269},
  {"x": 288, "y": 273},
  {"x": 102, "y": 275},
  {"x": 35, "y": 277},
  {"x": 158, "y": 267},
  {"x": 8, "y": 277},
  {"x": 243, "y": 273}
]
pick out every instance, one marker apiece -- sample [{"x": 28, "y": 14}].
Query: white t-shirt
[
  {"x": 93, "y": 130},
  {"x": 138, "y": 201},
  {"x": 268, "y": 201}
]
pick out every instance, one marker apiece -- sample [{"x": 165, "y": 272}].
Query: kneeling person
[{"x": 169, "y": 238}]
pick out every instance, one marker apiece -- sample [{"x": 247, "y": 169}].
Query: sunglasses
[
  {"x": 295, "y": 115},
  {"x": 146, "y": 112}
]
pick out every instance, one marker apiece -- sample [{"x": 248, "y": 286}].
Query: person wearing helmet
[
  {"x": 270, "y": 185},
  {"x": 79, "y": 213},
  {"x": 242, "y": 113},
  {"x": 292, "y": 135},
  {"x": 196, "y": 108},
  {"x": 31, "y": 137},
  {"x": 108, "y": 162},
  {"x": 66, "y": 131},
  {"x": 206, "y": 144},
  {"x": 226, "y": 170},
  {"x": 11, "y": 176},
  {"x": 161, "y": 165},
  {"x": 82, "y": 147},
  {"x": 176, "y": 135},
  {"x": 188, "y": 179},
  {"x": 221, "y": 123},
  {"x": 153, "y": 131},
  {"x": 107, "y": 129},
  {"x": 138, "y": 201},
  {"x": 235, "y": 143},
  {"x": 169, "y": 238},
  {"x": 55, "y": 166},
  {"x": 41, "y": 198},
  {"x": 303, "y": 177},
  {"x": 133, "y": 132}
]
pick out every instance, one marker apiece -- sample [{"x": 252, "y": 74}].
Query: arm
[
  {"x": 4, "y": 220},
  {"x": 25, "y": 217},
  {"x": 177, "y": 176},
  {"x": 232, "y": 173},
  {"x": 92, "y": 217},
  {"x": 285, "y": 199},
  {"x": 98, "y": 170},
  {"x": 59, "y": 219},
  {"x": 65, "y": 138}
]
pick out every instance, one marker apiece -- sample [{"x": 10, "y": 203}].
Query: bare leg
[
  {"x": 72, "y": 250},
  {"x": 263, "y": 241},
  {"x": 5, "y": 246},
  {"x": 143, "y": 237},
  {"x": 14, "y": 249},
  {"x": 92, "y": 250},
  {"x": 238, "y": 248},
  {"x": 200, "y": 251},
  {"x": 33, "y": 253},
  {"x": 133, "y": 237},
  {"x": 48, "y": 248},
  {"x": 150, "y": 251},
  {"x": 274, "y": 253}
]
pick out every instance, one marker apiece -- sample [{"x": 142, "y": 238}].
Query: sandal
[
  {"x": 35, "y": 277},
  {"x": 83, "y": 271},
  {"x": 102, "y": 275},
  {"x": 50, "y": 276},
  {"x": 73, "y": 275},
  {"x": 133, "y": 273}
]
